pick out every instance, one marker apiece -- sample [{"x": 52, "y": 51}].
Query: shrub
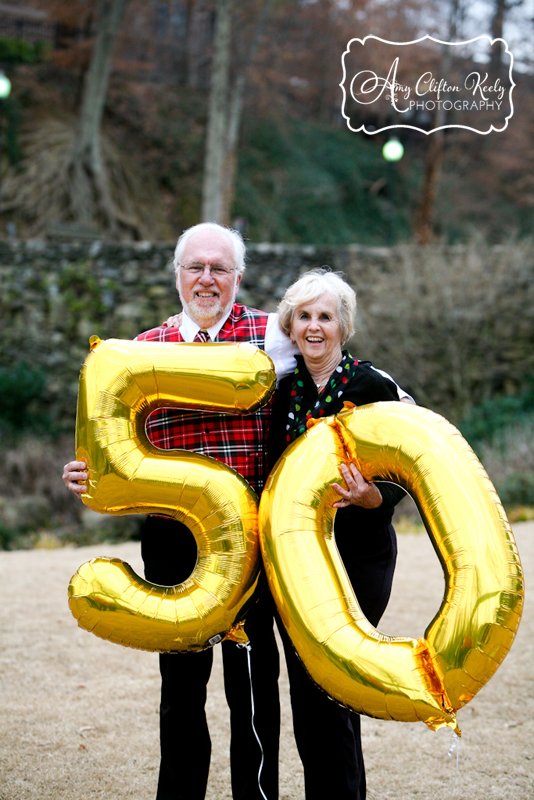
[
  {"x": 30, "y": 482},
  {"x": 7, "y": 536},
  {"x": 517, "y": 489},
  {"x": 18, "y": 51},
  {"x": 509, "y": 461},
  {"x": 492, "y": 417},
  {"x": 22, "y": 389},
  {"x": 453, "y": 325}
]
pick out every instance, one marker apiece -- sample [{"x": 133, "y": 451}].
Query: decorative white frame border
[{"x": 414, "y": 127}]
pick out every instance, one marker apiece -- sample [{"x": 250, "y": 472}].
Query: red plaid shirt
[{"x": 238, "y": 441}]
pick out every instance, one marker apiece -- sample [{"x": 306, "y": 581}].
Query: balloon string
[
  {"x": 248, "y": 648},
  {"x": 392, "y": 483},
  {"x": 455, "y": 747}
]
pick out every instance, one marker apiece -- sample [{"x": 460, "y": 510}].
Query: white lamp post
[
  {"x": 5, "y": 91},
  {"x": 392, "y": 151}
]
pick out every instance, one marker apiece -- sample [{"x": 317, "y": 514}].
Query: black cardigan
[{"x": 367, "y": 386}]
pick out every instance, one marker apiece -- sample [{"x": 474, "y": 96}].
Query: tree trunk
[
  {"x": 423, "y": 221},
  {"x": 216, "y": 141},
  {"x": 497, "y": 23},
  {"x": 90, "y": 194},
  {"x": 236, "y": 114},
  {"x": 198, "y": 42}
]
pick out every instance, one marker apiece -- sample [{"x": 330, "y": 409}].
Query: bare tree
[
  {"x": 497, "y": 25},
  {"x": 212, "y": 190},
  {"x": 235, "y": 114},
  {"x": 226, "y": 111},
  {"x": 500, "y": 9},
  {"x": 90, "y": 196},
  {"x": 423, "y": 222},
  {"x": 198, "y": 33}
]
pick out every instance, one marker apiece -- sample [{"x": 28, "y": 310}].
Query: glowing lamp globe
[
  {"x": 5, "y": 86},
  {"x": 393, "y": 149}
]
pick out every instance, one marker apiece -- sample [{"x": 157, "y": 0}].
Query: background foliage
[
  {"x": 453, "y": 322},
  {"x": 301, "y": 175}
]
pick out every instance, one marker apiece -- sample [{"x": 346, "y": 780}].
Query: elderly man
[{"x": 209, "y": 263}]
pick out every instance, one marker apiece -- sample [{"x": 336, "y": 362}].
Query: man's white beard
[{"x": 197, "y": 312}]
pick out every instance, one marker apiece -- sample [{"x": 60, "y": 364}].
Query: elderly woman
[{"x": 317, "y": 312}]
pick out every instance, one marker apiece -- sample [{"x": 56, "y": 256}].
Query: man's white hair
[
  {"x": 309, "y": 288},
  {"x": 233, "y": 236}
]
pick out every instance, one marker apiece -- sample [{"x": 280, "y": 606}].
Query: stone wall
[
  {"x": 55, "y": 295},
  {"x": 453, "y": 325}
]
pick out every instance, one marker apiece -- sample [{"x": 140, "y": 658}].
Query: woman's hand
[
  {"x": 73, "y": 472},
  {"x": 174, "y": 322},
  {"x": 359, "y": 492}
]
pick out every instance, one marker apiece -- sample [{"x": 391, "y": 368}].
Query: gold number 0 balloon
[
  {"x": 374, "y": 674},
  {"x": 120, "y": 385}
]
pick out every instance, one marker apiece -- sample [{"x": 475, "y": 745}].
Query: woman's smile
[{"x": 317, "y": 331}]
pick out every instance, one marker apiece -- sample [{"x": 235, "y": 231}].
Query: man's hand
[
  {"x": 73, "y": 472},
  {"x": 359, "y": 492},
  {"x": 174, "y": 322}
]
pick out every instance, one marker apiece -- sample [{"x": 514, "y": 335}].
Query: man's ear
[{"x": 237, "y": 282}]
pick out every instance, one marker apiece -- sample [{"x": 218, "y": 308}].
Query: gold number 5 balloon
[
  {"x": 120, "y": 385},
  {"x": 374, "y": 674}
]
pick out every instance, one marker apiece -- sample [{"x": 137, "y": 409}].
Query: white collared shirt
[{"x": 277, "y": 345}]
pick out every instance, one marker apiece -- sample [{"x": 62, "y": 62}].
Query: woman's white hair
[
  {"x": 233, "y": 236},
  {"x": 309, "y": 288}
]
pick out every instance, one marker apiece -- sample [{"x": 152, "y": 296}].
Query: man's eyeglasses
[{"x": 218, "y": 270}]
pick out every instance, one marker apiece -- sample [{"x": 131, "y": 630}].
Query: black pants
[
  {"x": 328, "y": 735},
  {"x": 169, "y": 553}
]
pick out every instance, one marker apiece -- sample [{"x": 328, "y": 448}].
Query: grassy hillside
[{"x": 301, "y": 181}]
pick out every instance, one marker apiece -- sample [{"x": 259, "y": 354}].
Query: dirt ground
[{"x": 79, "y": 716}]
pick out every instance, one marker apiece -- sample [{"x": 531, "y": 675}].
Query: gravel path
[{"x": 79, "y": 716}]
